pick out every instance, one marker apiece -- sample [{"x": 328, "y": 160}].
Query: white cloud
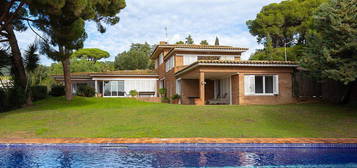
[{"x": 144, "y": 21}]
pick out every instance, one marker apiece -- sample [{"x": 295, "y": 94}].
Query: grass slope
[{"x": 113, "y": 117}]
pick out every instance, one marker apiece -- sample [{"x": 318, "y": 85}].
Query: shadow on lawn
[{"x": 53, "y": 103}]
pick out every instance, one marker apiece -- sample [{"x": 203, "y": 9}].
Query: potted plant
[
  {"x": 133, "y": 93},
  {"x": 165, "y": 100},
  {"x": 175, "y": 98},
  {"x": 162, "y": 92}
]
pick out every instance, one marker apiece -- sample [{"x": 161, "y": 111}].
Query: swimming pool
[{"x": 190, "y": 155}]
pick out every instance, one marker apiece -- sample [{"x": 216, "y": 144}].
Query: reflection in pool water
[{"x": 97, "y": 157}]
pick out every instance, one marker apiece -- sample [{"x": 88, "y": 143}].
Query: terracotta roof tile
[
  {"x": 202, "y": 46},
  {"x": 246, "y": 62},
  {"x": 126, "y": 72},
  {"x": 241, "y": 63},
  {"x": 159, "y": 48}
]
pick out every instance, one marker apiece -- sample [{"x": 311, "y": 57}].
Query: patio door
[
  {"x": 113, "y": 88},
  {"x": 222, "y": 89}
]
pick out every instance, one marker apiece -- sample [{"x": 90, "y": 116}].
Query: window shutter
[
  {"x": 249, "y": 84},
  {"x": 276, "y": 84}
]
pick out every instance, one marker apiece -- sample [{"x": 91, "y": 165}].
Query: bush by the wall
[
  {"x": 11, "y": 98},
  {"x": 165, "y": 100},
  {"x": 38, "y": 92},
  {"x": 3, "y": 100},
  {"x": 85, "y": 91},
  {"x": 162, "y": 92},
  {"x": 57, "y": 90},
  {"x": 16, "y": 97},
  {"x": 133, "y": 93},
  {"x": 175, "y": 97}
]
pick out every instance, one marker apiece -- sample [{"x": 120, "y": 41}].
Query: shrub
[
  {"x": 175, "y": 97},
  {"x": 162, "y": 91},
  {"x": 57, "y": 90},
  {"x": 165, "y": 100},
  {"x": 85, "y": 91},
  {"x": 3, "y": 100},
  {"x": 133, "y": 93},
  {"x": 38, "y": 92},
  {"x": 16, "y": 97},
  {"x": 11, "y": 98}
]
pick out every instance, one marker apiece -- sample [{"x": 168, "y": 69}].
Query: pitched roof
[
  {"x": 114, "y": 73},
  {"x": 159, "y": 48},
  {"x": 126, "y": 72},
  {"x": 246, "y": 62},
  {"x": 240, "y": 63},
  {"x": 203, "y": 46}
]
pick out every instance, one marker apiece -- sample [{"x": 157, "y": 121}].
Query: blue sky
[{"x": 145, "y": 21}]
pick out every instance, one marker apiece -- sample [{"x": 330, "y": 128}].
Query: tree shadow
[{"x": 52, "y": 103}]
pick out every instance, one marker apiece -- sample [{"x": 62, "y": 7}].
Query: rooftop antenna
[{"x": 166, "y": 34}]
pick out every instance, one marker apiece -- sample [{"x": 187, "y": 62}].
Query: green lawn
[{"x": 114, "y": 117}]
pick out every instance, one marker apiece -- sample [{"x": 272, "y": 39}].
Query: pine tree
[
  {"x": 204, "y": 42},
  {"x": 189, "y": 40},
  {"x": 268, "y": 48},
  {"x": 180, "y": 42},
  {"x": 216, "y": 42},
  {"x": 64, "y": 25},
  {"x": 331, "y": 51}
]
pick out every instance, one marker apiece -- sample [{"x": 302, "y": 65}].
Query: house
[
  {"x": 200, "y": 74},
  {"x": 116, "y": 83}
]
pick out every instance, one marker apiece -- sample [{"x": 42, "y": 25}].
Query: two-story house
[{"x": 200, "y": 74}]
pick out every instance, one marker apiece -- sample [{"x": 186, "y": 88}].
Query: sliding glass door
[{"x": 113, "y": 88}]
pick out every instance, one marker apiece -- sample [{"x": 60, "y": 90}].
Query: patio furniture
[{"x": 219, "y": 99}]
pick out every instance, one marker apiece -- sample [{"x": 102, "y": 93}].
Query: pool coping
[{"x": 178, "y": 140}]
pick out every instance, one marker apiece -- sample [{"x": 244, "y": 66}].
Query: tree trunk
[
  {"x": 67, "y": 78},
  {"x": 17, "y": 63}
]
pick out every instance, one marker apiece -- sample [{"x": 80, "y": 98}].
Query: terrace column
[
  {"x": 202, "y": 88},
  {"x": 96, "y": 87}
]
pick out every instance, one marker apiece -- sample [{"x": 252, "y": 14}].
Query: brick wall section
[
  {"x": 189, "y": 89},
  {"x": 285, "y": 95},
  {"x": 178, "y": 60},
  {"x": 235, "y": 89},
  {"x": 170, "y": 83},
  {"x": 209, "y": 90}
]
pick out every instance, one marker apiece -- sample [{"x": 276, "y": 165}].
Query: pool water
[{"x": 87, "y": 156}]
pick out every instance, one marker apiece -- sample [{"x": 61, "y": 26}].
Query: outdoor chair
[{"x": 219, "y": 100}]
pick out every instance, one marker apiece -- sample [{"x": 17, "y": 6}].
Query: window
[
  {"x": 161, "y": 58},
  {"x": 178, "y": 86},
  {"x": 170, "y": 63},
  {"x": 261, "y": 84},
  {"x": 114, "y": 88},
  {"x": 156, "y": 63},
  {"x": 189, "y": 59}
]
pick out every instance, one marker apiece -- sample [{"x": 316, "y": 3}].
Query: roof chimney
[{"x": 163, "y": 42}]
